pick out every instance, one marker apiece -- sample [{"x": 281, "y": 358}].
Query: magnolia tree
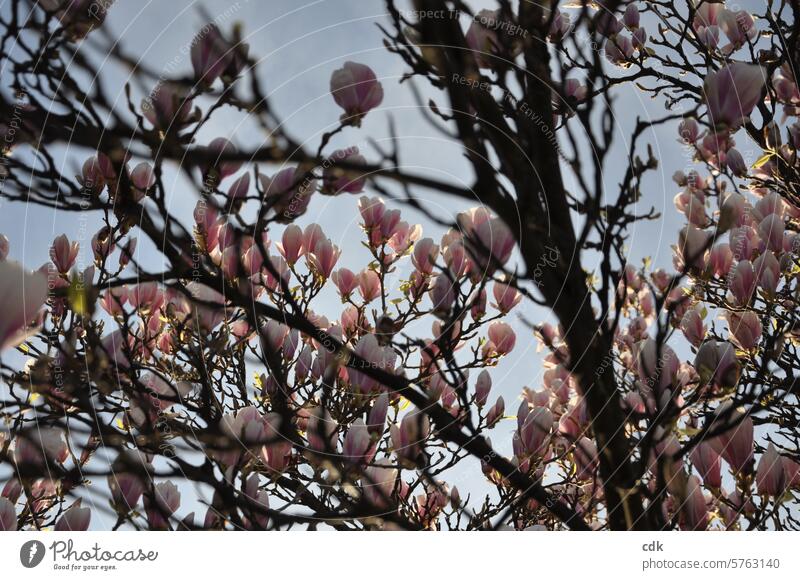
[{"x": 199, "y": 389}]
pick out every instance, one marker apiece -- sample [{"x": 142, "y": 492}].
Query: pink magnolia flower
[
  {"x": 619, "y": 50},
  {"x": 404, "y": 236},
  {"x": 770, "y": 473},
  {"x": 291, "y": 244},
  {"x": 102, "y": 245},
  {"x": 720, "y": 259},
  {"x": 12, "y": 489},
  {"x": 535, "y": 431},
  {"x": 146, "y": 297},
  {"x": 277, "y": 453},
  {"x": 337, "y": 179},
  {"x": 442, "y": 294},
  {"x": 356, "y": 90},
  {"x": 376, "y": 422},
  {"x": 357, "y": 446},
  {"x": 8, "y": 516},
  {"x": 768, "y": 271},
  {"x": 239, "y": 190},
  {"x": 22, "y": 295},
  {"x": 242, "y": 430},
  {"x": 506, "y": 297},
  {"x": 639, "y": 38},
  {"x": 369, "y": 285},
  {"x": 771, "y": 230},
  {"x": 126, "y": 484},
  {"x": 95, "y": 172},
  {"x": 694, "y": 512},
  {"x": 261, "y": 498},
  {"x": 693, "y": 328},
  {"x": 732, "y": 210},
  {"x": 743, "y": 282},
  {"x": 378, "y": 482},
  {"x": 207, "y": 307},
  {"x": 586, "y": 459},
  {"x": 716, "y": 362},
  {"x": 502, "y": 337},
  {"x": 75, "y": 519},
  {"x": 142, "y": 179},
  {"x": 226, "y": 254},
  {"x": 425, "y": 254},
  {"x": 210, "y": 54},
  {"x": 375, "y": 356},
  {"x": 692, "y": 245},
  {"x": 455, "y": 256},
  {"x": 732, "y": 92},
  {"x": 481, "y": 37},
  {"x": 312, "y": 235},
  {"x": 218, "y": 148},
  {"x": 657, "y": 370},
  {"x": 478, "y": 301},
  {"x": 41, "y": 445},
  {"x": 345, "y": 282},
  {"x": 252, "y": 258},
  {"x": 408, "y": 439},
  {"x": 161, "y": 504},
  {"x": 769, "y": 204},
  {"x": 706, "y": 461},
  {"x": 744, "y": 242},
  {"x": 736, "y": 163},
  {"x": 273, "y": 334},
  {"x": 483, "y": 387},
  {"x": 745, "y": 328},
  {"x": 63, "y": 253},
  {"x": 736, "y": 444},
  {"x": 168, "y": 108},
  {"x": 692, "y": 204},
  {"x": 495, "y": 236},
  {"x": 289, "y": 191},
  {"x": 324, "y": 257},
  {"x": 372, "y": 210},
  {"x": 322, "y": 431},
  {"x": 631, "y": 16},
  {"x": 738, "y": 26},
  {"x": 573, "y": 89},
  {"x": 560, "y": 27}
]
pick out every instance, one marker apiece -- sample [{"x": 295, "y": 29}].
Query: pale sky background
[{"x": 301, "y": 43}]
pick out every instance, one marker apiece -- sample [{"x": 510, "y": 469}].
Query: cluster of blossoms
[{"x": 291, "y": 381}]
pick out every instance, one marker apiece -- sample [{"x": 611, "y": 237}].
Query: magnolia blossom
[
  {"x": 337, "y": 179},
  {"x": 735, "y": 445},
  {"x": 408, "y": 438},
  {"x": 75, "y": 519},
  {"x": 482, "y": 38},
  {"x": 716, "y": 362},
  {"x": 378, "y": 482},
  {"x": 22, "y": 294},
  {"x": 169, "y": 107},
  {"x": 771, "y": 473},
  {"x": 356, "y": 90},
  {"x": 161, "y": 503},
  {"x": 63, "y": 253},
  {"x": 745, "y": 328},
  {"x": 657, "y": 365},
  {"x": 8, "y": 516},
  {"x": 732, "y": 92}
]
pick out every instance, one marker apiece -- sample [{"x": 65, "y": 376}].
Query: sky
[{"x": 300, "y": 43}]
